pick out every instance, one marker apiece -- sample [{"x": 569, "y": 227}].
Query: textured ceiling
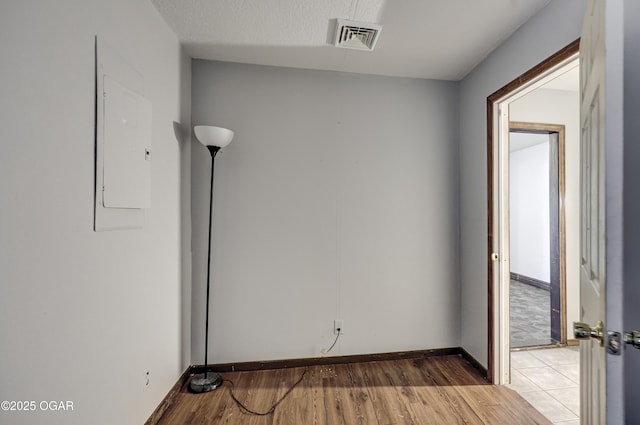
[{"x": 440, "y": 39}]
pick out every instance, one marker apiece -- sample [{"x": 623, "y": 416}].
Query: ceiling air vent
[{"x": 356, "y": 35}]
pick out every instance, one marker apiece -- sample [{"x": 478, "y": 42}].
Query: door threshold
[{"x": 538, "y": 347}]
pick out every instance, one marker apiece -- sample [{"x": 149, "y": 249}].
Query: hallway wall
[{"x": 529, "y": 230}]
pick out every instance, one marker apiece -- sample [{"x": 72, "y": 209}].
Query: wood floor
[{"x": 436, "y": 390}]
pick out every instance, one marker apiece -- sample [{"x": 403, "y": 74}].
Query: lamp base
[{"x": 203, "y": 383}]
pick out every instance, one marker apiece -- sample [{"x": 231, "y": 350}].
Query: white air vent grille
[{"x": 356, "y": 35}]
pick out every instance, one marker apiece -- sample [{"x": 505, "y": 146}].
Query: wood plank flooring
[{"x": 437, "y": 390}]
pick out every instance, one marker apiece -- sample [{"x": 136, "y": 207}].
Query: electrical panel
[
  {"x": 123, "y": 144},
  {"x": 127, "y": 147}
]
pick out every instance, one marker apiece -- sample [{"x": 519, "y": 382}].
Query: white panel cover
[{"x": 127, "y": 141}]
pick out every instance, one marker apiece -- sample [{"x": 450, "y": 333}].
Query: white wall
[
  {"x": 84, "y": 314},
  {"x": 562, "y": 107},
  {"x": 551, "y": 29},
  {"x": 336, "y": 199},
  {"x": 529, "y": 230}
]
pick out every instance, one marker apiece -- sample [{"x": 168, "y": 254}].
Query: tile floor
[{"x": 549, "y": 379}]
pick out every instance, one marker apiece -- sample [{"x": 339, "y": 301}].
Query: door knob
[
  {"x": 584, "y": 331},
  {"x": 632, "y": 338}
]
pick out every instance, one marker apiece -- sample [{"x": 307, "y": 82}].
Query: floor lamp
[{"x": 214, "y": 139}]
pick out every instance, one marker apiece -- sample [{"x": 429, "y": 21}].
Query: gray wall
[
  {"x": 84, "y": 314},
  {"x": 338, "y": 198},
  {"x": 550, "y": 30},
  {"x": 631, "y": 204}
]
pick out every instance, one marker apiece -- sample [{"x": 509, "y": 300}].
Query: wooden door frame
[
  {"x": 526, "y": 78},
  {"x": 542, "y": 128}
]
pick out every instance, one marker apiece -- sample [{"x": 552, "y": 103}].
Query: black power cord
[
  {"x": 334, "y": 342},
  {"x": 273, "y": 408}
]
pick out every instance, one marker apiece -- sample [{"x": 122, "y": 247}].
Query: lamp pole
[
  {"x": 213, "y": 150},
  {"x": 213, "y": 138}
]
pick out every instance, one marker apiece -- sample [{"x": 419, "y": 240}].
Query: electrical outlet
[
  {"x": 147, "y": 378},
  {"x": 338, "y": 324}
]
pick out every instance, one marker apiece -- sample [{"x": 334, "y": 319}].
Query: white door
[{"x": 601, "y": 209}]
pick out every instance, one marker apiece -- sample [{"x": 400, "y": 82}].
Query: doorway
[
  {"x": 515, "y": 112},
  {"x": 501, "y": 110},
  {"x": 537, "y": 290}
]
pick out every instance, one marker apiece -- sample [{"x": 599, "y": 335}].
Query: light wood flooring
[{"x": 434, "y": 390}]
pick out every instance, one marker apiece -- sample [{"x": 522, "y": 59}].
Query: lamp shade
[{"x": 210, "y": 135}]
